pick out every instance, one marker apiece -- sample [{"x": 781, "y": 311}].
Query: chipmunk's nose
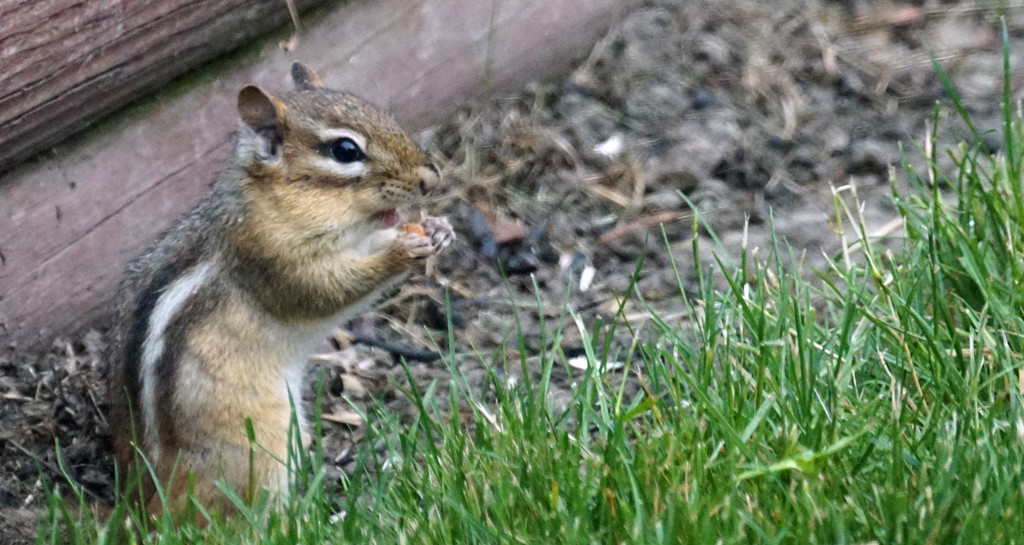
[{"x": 429, "y": 178}]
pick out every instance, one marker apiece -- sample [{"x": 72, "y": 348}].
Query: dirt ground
[{"x": 754, "y": 110}]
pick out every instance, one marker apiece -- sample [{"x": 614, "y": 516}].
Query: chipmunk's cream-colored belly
[
  {"x": 247, "y": 364},
  {"x": 238, "y": 363}
]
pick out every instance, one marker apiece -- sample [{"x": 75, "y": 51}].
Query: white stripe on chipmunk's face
[
  {"x": 350, "y": 170},
  {"x": 327, "y": 134},
  {"x": 167, "y": 306}
]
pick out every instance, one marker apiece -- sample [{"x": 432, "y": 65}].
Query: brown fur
[{"x": 289, "y": 247}]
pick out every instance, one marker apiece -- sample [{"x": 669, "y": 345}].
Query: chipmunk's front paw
[
  {"x": 415, "y": 245},
  {"x": 435, "y": 236},
  {"x": 439, "y": 231}
]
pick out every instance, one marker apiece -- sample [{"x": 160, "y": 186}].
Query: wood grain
[
  {"x": 71, "y": 220},
  {"x": 68, "y": 62}
]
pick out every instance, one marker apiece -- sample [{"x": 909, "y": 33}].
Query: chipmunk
[{"x": 218, "y": 319}]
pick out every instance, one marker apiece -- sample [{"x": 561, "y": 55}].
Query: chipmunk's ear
[
  {"x": 258, "y": 109},
  {"x": 264, "y": 114},
  {"x": 304, "y": 78}
]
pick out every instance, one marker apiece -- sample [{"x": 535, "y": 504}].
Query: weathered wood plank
[
  {"x": 68, "y": 224},
  {"x": 67, "y": 62}
]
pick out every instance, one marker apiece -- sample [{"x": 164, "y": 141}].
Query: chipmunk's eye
[{"x": 345, "y": 150}]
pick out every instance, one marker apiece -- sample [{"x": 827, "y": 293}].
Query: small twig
[
  {"x": 294, "y": 13},
  {"x": 642, "y": 223},
  {"x": 95, "y": 405},
  {"x": 404, "y": 294},
  {"x": 346, "y": 418},
  {"x": 410, "y": 354},
  {"x": 609, "y": 195}
]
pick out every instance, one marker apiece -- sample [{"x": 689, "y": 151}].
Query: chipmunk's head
[{"x": 326, "y": 158}]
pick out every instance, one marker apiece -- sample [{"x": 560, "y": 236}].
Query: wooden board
[
  {"x": 69, "y": 222},
  {"x": 67, "y": 63}
]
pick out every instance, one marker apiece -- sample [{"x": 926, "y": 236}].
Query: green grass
[{"x": 879, "y": 402}]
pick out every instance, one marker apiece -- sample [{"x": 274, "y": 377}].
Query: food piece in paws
[{"x": 414, "y": 228}]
